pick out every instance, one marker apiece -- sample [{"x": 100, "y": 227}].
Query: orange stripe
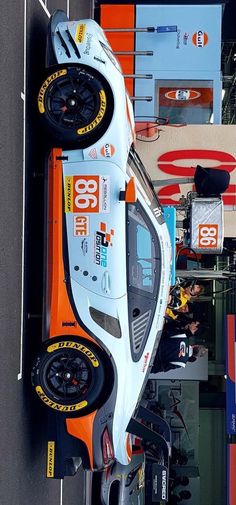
[
  {"x": 132, "y": 126},
  {"x": 231, "y": 347},
  {"x": 121, "y": 16},
  {"x": 58, "y": 303},
  {"x": 232, "y": 479},
  {"x": 82, "y": 428}
]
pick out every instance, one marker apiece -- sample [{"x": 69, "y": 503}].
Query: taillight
[
  {"x": 129, "y": 445},
  {"x": 107, "y": 448}
]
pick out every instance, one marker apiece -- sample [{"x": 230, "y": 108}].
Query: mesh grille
[{"x": 139, "y": 326}]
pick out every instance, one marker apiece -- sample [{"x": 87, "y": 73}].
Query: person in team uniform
[
  {"x": 180, "y": 297},
  {"x": 175, "y": 351}
]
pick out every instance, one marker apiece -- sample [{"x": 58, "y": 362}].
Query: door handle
[{"x": 106, "y": 283}]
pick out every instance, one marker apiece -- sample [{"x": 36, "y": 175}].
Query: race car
[
  {"x": 145, "y": 476},
  {"x": 120, "y": 484},
  {"x": 107, "y": 257}
]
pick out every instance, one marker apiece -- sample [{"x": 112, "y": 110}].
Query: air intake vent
[
  {"x": 108, "y": 323},
  {"x": 139, "y": 327}
]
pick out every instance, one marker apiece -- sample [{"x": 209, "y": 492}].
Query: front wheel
[
  {"x": 68, "y": 375},
  {"x": 76, "y": 105}
]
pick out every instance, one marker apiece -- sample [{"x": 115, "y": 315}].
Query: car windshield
[{"x": 135, "y": 163}]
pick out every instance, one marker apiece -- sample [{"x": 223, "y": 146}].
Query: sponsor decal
[
  {"x": 68, "y": 190},
  {"x": 98, "y": 118},
  {"x": 93, "y": 153},
  {"x": 80, "y": 33},
  {"x": 185, "y": 38},
  {"x": 183, "y": 94},
  {"x": 69, "y": 324},
  {"x": 200, "y": 38},
  {"x": 163, "y": 485},
  {"x": 81, "y": 226},
  {"x": 78, "y": 347},
  {"x": 86, "y": 193},
  {"x": 88, "y": 43},
  {"x": 107, "y": 150},
  {"x": 45, "y": 85},
  {"x": 182, "y": 349},
  {"x": 51, "y": 459},
  {"x": 178, "y": 39},
  {"x": 103, "y": 240},
  {"x": 58, "y": 406},
  {"x": 159, "y": 215},
  {"x": 157, "y": 211},
  {"x": 155, "y": 484},
  {"x": 84, "y": 246},
  {"x": 105, "y": 194},
  {"x": 233, "y": 423},
  {"x": 146, "y": 357}
]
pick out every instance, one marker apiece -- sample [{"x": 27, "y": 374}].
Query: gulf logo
[
  {"x": 200, "y": 38},
  {"x": 107, "y": 150},
  {"x": 182, "y": 94}
]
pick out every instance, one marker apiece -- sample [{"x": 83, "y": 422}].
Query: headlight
[{"x": 111, "y": 56}]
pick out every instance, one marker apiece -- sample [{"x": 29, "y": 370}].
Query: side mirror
[{"x": 129, "y": 195}]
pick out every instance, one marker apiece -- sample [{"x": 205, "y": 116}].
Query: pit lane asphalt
[{"x": 22, "y": 146}]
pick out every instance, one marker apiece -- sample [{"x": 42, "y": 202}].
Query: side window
[
  {"x": 144, "y": 266},
  {"x": 142, "y": 257}
]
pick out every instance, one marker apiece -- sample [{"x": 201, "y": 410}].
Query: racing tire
[
  {"x": 76, "y": 105},
  {"x": 69, "y": 375}
]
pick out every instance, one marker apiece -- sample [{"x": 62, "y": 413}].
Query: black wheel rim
[
  {"x": 68, "y": 376},
  {"x": 73, "y": 100}
]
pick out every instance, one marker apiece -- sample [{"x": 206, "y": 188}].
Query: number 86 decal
[
  {"x": 87, "y": 194},
  {"x": 207, "y": 235},
  {"x": 82, "y": 193}
]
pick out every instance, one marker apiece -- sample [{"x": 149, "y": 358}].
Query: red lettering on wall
[
  {"x": 166, "y": 191},
  {"x": 229, "y": 197},
  {"x": 224, "y": 161}
]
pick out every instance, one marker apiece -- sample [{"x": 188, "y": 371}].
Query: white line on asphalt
[
  {"x": 19, "y": 376},
  {"x": 45, "y": 8},
  {"x": 61, "y": 492},
  {"x": 92, "y": 9},
  {"x": 68, "y": 8}
]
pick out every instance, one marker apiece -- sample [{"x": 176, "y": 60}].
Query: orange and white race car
[{"x": 108, "y": 253}]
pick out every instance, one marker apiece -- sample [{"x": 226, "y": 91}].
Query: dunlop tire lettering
[
  {"x": 57, "y": 406},
  {"x": 98, "y": 118},
  {"x": 78, "y": 347},
  {"x": 45, "y": 85}
]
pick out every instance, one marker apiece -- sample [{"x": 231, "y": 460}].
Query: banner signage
[
  {"x": 230, "y": 371},
  {"x": 179, "y": 150}
]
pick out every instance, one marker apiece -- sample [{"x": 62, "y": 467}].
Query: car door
[{"x": 95, "y": 226}]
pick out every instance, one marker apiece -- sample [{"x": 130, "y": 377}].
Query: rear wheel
[
  {"x": 76, "y": 105},
  {"x": 68, "y": 375}
]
